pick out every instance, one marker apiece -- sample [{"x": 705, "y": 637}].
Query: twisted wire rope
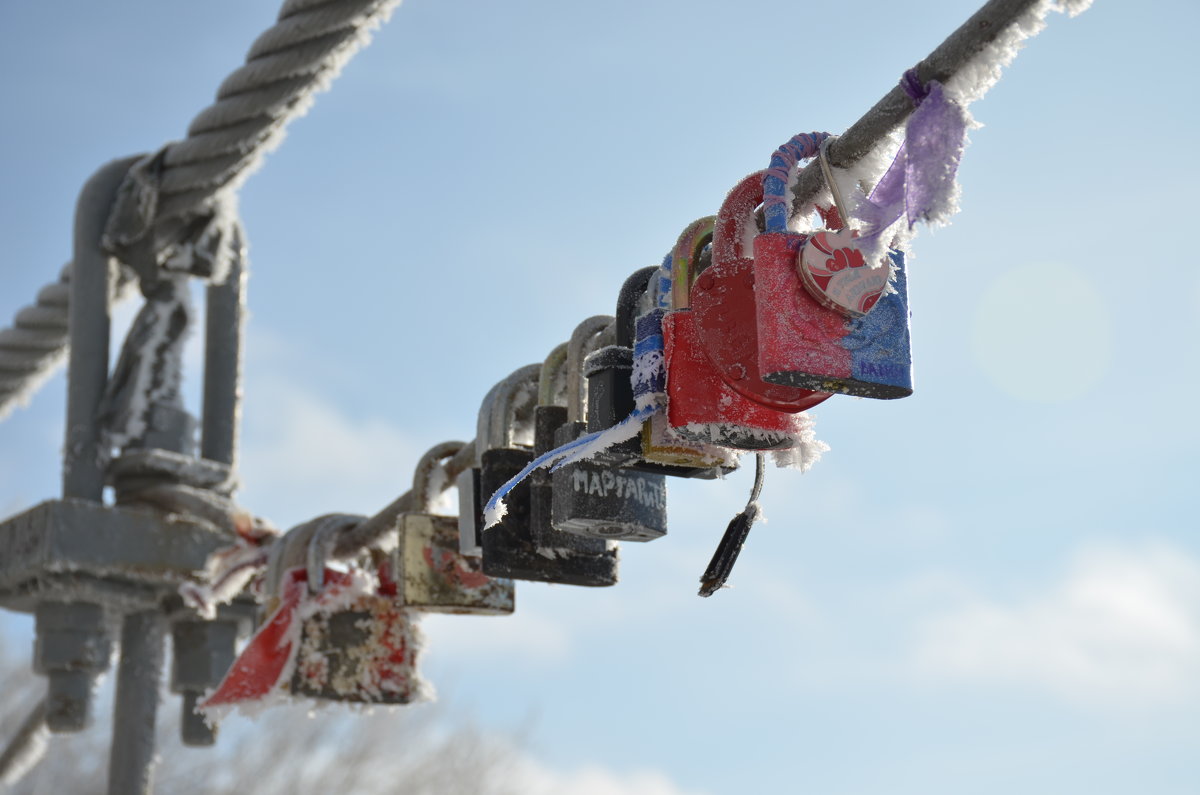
[{"x": 298, "y": 56}]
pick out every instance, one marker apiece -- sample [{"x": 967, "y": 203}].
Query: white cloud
[
  {"x": 1123, "y": 626},
  {"x": 302, "y": 457},
  {"x": 532, "y": 777},
  {"x": 526, "y": 635}
]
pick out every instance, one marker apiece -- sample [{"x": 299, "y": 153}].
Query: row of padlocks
[{"x": 716, "y": 353}]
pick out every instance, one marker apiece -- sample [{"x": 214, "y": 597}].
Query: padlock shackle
[
  {"x": 552, "y": 380},
  {"x": 576, "y": 351},
  {"x": 734, "y": 229},
  {"x": 776, "y": 198},
  {"x": 295, "y": 548},
  {"x": 687, "y": 250},
  {"x": 483, "y": 423},
  {"x": 627, "y": 304},
  {"x": 517, "y": 392},
  {"x": 422, "y": 475}
]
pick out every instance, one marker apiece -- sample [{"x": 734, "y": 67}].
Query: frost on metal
[
  {"x": 346, "y": 642},
  {"x": 34, "y": 347},
  {"x": 799, "y": 437},
  {"x": 979, "y": 74},
  {"x": 969, "y": 83},
  {"x": 226, "y": 574},
  {"x": 807, "y": 450},
  {"x": 150, "y": 367},
  {"x": 365, "y": 653}
]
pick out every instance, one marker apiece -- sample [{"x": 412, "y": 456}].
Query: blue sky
[{"x": 991, "y": 586}]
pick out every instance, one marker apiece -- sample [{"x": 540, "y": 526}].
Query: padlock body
[
  {"x": 550, "y": 542},
  {"x": 603, "y": 502},
  {"x": 365, "y": 654},
  {"x": 509, "y": 549},
  {"x": 609, "y": 391},
  {"x": 805, "y": 344},
  {"x": 661, "y": 448},
  {"x": 436, "y": 577},
  {"x": 725, "y": 316},
  {"x": 702, "y": 407},
  {"x": 661, "y": 445}
]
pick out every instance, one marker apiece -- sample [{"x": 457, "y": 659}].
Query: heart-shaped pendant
[{"x": 834, "y": 271}]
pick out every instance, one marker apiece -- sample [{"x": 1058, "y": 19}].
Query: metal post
[
  {"x": 131, "y": 763},
  {"x": 223, "y": 361},
  {"x": 26, "y": 747},
  {"x": 89, "y": 321}
]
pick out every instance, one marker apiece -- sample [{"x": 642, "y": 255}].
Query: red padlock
[
  {"x": 701, "y": 404},
  {"x": 827, "y": 319},
  {"x": 726, "y": 312}
]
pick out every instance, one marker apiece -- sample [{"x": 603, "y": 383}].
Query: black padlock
[
  {"x": 610, "y": 390},
  {"x": 595, "y": 499},
  {"x": 547, "y": 419},
  {"x": 509, "y": 548}
]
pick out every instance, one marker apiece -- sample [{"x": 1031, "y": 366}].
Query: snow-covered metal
[{"x": 287, "y": 65}]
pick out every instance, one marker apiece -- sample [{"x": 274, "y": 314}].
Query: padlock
[
  {"x": 610, "y": 396},
  {"x": 429, "y": 569},
  {"x": 660, "y": 443},
  {"x": 358, "y": 641},
  {"x": 509, "y": 548},
  {"x": 702, "y": 368},
  {"x": 332, "y": 634},
  {"x": 725, "y": 310},
  {"x": 365, "y": 652},
  {"x": 826, "y": 319},
  {"x": 594, "y": 499},
  {"x": 547, "y": 419}
]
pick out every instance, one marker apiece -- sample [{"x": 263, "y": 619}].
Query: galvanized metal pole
[
  {"x": 223, "y": 360},
  {"x": 23, "y": 750},
  {"x": 89, "y": 322},
  {"x": 971, "y": 38},
  {"x": 131, "y": 762}
]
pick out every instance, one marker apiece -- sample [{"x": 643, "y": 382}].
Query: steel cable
[{"x": 298, "y": 56}]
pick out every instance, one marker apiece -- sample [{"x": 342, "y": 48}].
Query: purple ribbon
[{"x": 919, "y": 184}]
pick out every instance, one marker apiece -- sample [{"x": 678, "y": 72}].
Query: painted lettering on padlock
[{"x": 607, "y": 483}]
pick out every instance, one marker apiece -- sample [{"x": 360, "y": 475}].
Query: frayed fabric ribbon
[{"x": 920, "y": 183}]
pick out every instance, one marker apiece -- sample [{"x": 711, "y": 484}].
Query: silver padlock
[{"x": 431, "y": 572}]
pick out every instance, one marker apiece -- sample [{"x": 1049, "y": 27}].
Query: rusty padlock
[
  {"x": 714, "y": 391},
  {"x": 337, "y": 634},
  {"x": 431, "y": 572},
  {"x": 358, "y": 641},
  {"x": 826, "y": 319}
]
